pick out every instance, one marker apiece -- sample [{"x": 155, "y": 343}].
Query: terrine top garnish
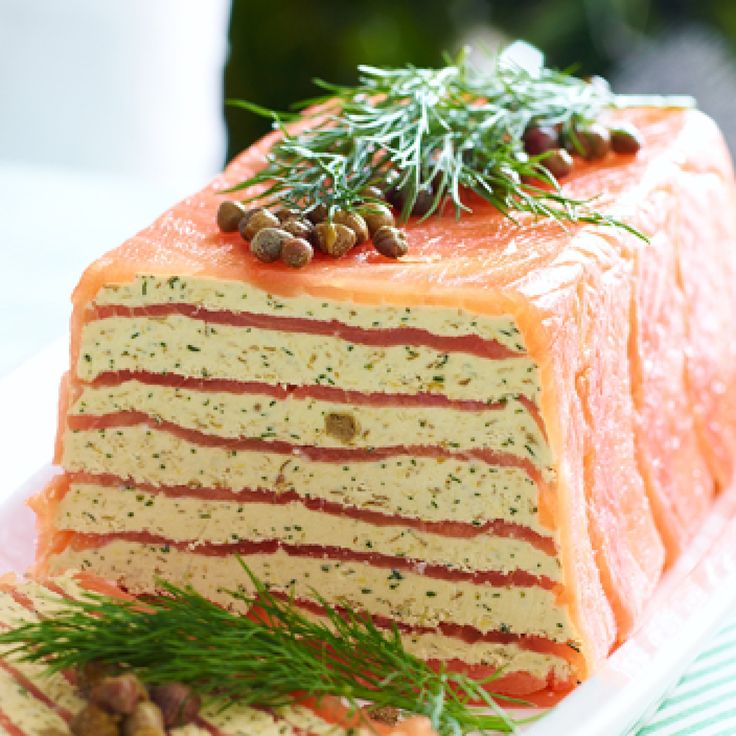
[
  {"x": 177, "y": 640},
  {"x": 421, "y": 140}
]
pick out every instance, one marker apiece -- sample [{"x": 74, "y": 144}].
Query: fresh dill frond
[
  {"x": 450, "y": 131},
  {"x": 269, "y": 660}
]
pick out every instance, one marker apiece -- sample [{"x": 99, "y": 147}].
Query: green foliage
[{"x": 448, "y": 130}]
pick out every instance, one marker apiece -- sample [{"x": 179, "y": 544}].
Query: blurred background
[
  {"x": 668, "y": 46},
  {"x": 112, "y": 111}
]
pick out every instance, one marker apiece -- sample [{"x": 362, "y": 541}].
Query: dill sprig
[
  {"x": 269, "y": 660},
  {"x": 449, "y": 131}
]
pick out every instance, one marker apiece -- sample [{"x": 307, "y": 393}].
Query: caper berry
[
  {"x": 297, "y": 252},
  {"x": 558, "y": 162},
  {"x": 179, "y": 704},
  {"x": 94, "y": 721},
  {"x": 625, "y": 139},
  {"x": 119, "y": 694},
  {"x": 317, "y": 214},
  {"x": 267, "y": 244},
  {"x": 355, "y": 222},
  {"x": 334, "y": 238},
  {"x": 539, "y": 139},
  {"x": 378, "y": 216},
  {"x": 299, "y": 227},
  {"x": 390, "y": 242},
  {"x": 592, "y": 143},
  {"x": 229, "y": 215},
  {"x": 145, "y": 720},
  {"x": 259, "y": 220}
]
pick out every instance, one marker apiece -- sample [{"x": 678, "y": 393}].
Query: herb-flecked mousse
[{"x": 495, "y": 442}]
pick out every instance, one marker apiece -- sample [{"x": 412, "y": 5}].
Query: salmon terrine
[{"x": 496, "y": 442}]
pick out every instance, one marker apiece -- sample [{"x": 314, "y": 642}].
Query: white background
[{"x": 109, "y": 113}]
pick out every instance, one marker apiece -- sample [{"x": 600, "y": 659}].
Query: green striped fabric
[{"x": 703, "y": 703}]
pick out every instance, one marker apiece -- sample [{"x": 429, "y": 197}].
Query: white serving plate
[{"x": 691, "y": 601}]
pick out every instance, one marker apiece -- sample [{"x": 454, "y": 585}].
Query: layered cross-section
[{"x": 397, "y": 470}]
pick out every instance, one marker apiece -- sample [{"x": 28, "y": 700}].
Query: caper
[
  {"x": 393, "y": 187},
  {"x": 396, "y": 197},
  {"x": 334, "y": 239},
  {"x": 383, "y": 714},
  {"x": 378, "y": 216},
  {"x": 145, "y": 720},
  {"x": 591, "y": 143},
  {"x": 299, "y": 227},
  {"x": 286, "y": 213},
  {"x": 230, "y": 214},
  {"x": 119, "y": 694},
  {"x": 539, "y": 139},
  {"x": 267, "y": 244},
  {"x": 625, "y": 139},
  {"x": 372, "y": 192},
  {"x": 259, "y": 220},
  {"x": 179, "y": 704},
  {"x": 390, "y": 242},
  {"x": 341, "y": 426},
  {"x": 558, "y": 162},
  {"x": 91, "y": 673},
  {"x": 422, "y": 204},
  {"x": 317, "y": 214},
  {"x": 355, "y": 222},
  {"x": 297, "y": 252},
  {"x": 94, "y": 721}
]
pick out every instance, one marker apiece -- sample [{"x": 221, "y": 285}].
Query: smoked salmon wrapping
[{"x": 496, "y": 443}]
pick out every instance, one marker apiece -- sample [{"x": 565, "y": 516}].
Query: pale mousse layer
[
  {"x": 306, "y": 421},
  {"x": 90, "y": 508},
  {"x": 186, "y": 346},
  {"x": 237, "y": 296},
  {"x": 403, "y": 595},
  {"x": 433, "y": 488}
]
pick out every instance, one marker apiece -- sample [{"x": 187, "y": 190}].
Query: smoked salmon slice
[{"x": 567, "y": 392}]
